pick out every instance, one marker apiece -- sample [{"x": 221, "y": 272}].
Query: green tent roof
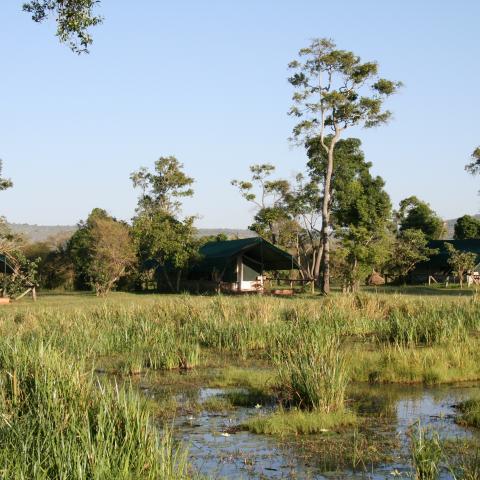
[
  {"x": 268, "y": 256},
  {"x": 439, "y": 261}
]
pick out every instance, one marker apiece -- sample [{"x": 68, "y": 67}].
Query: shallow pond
[{"x": 378, "y": 447}]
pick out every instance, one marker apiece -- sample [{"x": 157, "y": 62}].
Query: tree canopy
[
  {"x": 162, "y": 188},
  {"x": 160, "y": 236},
  {"x": 356, "y": 196},
  {"x": 466, "y": 227},
  {"x": 410, "y": 248},
  {"x": 4, "y": 182},
  {"x": 74, "y": 19},
  {"x": 101, "y": 251},
  {"x": 272, "y": 219},
  {"x": 417, "y": 214},
  {"x": 474, "y": 166},
  {"x": 111, "y": 255}
]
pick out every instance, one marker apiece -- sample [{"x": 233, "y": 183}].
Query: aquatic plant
[
  {"x": 311, "y": 368},
  {"x": 426, "y": 453},
  {"x": 470, "y": 412},
  {"x": 299, "y": 422}
]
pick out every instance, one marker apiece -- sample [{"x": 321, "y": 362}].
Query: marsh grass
[
  {"x": 468, "y": 468},
  {"x": 298, "y": 422},
  {"x": 311, "y": 346},
  {"x": 426, "y": 452},
  {"x": 434, "y": 325},
  {"x": 385, "y": 338},
  {"x": 351, "y": 448},
  {"x": 217, "y": 404},
  {"x": 470, "y": 413},
  {"x": 311, "y": 368},
  {"x": 253, "y": 379},
  {"x": 437, "y": 364},
  {"x": 462, "y": 458},
  {"x": 59, "y": 422}
]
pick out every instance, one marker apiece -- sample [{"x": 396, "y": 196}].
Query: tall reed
[
  {"x": 311, "y": 368},
  {"x": 426, "y": 452},
  {"x": 58, "y": 422}
]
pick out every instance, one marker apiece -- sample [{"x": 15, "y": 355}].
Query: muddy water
[{"x": 219, "y": 450}]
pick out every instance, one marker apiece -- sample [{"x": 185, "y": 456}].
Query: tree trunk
[
  {"x": 318, "y": 261},
  {"x": 167, "y": 278},
  {"x": 355, "y": 283},
  {"x": 325, "y": 286},
  {"x": 273, "y": 234},
  {"x": 179, "y": 278}
]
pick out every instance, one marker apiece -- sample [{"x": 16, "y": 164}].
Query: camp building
[
  {"x": 238, "y": 265},
  {"x": 437, "y": 266}
]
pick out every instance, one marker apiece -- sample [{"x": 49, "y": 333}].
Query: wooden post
[
  {"x": 239, "y": 272},
  {"x": 23, "y": 294}
]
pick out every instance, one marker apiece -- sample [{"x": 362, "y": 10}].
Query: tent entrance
[{"x": 249, "y": 275}]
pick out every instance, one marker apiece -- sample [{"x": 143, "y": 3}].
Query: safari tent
[
  {"x": 238, "y": 265},
  {"x": 437, "y": 266}
]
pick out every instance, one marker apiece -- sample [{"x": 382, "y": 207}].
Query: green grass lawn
[{"x": 86, "y": 299}]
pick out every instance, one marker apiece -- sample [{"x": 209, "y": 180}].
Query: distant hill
[
  {"x": 41, "y": 233},
  {"x": 229, "y": 232}
]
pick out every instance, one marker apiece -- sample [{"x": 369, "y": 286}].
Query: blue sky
[{"x": 206, "y": 81}]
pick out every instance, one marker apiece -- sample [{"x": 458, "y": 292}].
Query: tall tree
[
  {"x": 101, "y": 251},
  {"x": 303, "y": 202},
  {"x": 416, "y": 214},
  {"x": 160, "y": 236},
  {"x": 335, "y": 91},
  {"x": 74, "y": 18},
  {"x": 112, "y": 254},
  {"x": 79, "y": 248},
  {"x": 21, "y": 272},
  {"x": 167, "y": 244},
  {"x": 286, "y": 214},
  {"x": 466, "y": 227}
]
